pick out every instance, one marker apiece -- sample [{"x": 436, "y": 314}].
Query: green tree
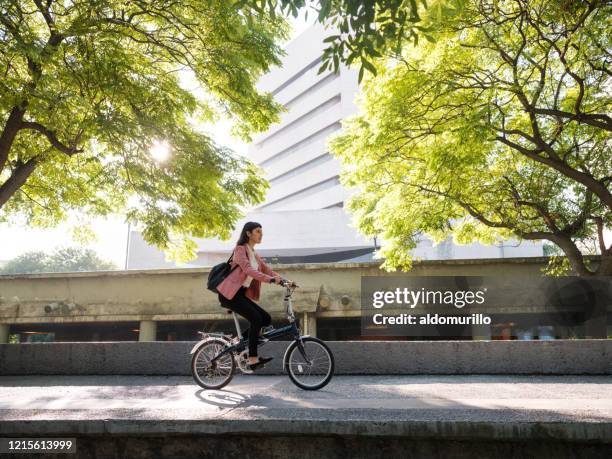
[
  {"x": 366, "y": 30},
  {"x": 499, "y": 128},
  {"x": 69, "y": 259},
  {"x": 87, "y": 89},
  {"x": 30, "y": 262}
]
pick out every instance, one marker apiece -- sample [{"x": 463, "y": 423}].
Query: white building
[
  {"x": 302, "y": 217},
  {"x": 302, "y": 173},
  {"x": 288, "y": 237}
]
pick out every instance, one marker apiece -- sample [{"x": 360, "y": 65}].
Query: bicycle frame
[{"x": 288, "y": 330}]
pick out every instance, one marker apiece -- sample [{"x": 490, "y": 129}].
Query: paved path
[{"x": 572, "y": 407}]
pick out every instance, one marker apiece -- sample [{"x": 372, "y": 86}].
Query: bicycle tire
[
  {"x": 194, "y": 372},
  {"x": 293, "y": 347}
]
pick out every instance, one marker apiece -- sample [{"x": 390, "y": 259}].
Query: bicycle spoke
[
  {"x": 213, "y": 373},
  {"x": 313, "y": 373}
]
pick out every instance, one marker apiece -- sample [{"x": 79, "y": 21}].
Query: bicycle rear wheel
[
  {"x": 213, "y": 375},
  {"x": 314, "y": 372}
]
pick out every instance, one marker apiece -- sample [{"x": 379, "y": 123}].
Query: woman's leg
[
  {"x": 245, "y": 307},
  {"x": 266, "y": 319},
  {"x": 227, "y": 304}
]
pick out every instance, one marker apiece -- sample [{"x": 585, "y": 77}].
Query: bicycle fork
[{"x": 300, "y": 347}]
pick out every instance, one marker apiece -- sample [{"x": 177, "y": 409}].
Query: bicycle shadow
[{"x": 222, "y": 398}]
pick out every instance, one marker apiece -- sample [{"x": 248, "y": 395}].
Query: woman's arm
[
  {"x": 266, "y": 269},
  {"x": 241, "y": 257}
]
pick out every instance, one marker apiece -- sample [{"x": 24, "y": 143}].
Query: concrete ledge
[
  {"x": 309, "y": 439},
  {"x": 561, "y": 357},
  {"x": 415, "y": 430},
  {"x": 266, "y": 416},
  {"x": 284, "y": 266}
]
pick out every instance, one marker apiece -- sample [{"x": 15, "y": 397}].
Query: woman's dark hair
[{"x": 248, "y": 226}]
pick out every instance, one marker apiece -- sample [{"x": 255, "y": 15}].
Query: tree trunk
[
  {"x": 605, "y": 266},
  {"x": 12, "y": 126},
  {"x": 16, "y": 180},
  {"x": 575, "y": 257}
]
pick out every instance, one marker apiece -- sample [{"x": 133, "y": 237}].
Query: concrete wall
[
  {"x": 351, "y": 357},
  {"x": 326, "y": 291},
  {"x": 180, "y": 294}
]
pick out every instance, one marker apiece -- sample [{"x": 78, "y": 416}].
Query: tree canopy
[
  {"x": 67, "y": 259},
  {"x": 89, "y": 91},
  {"x": 497, "y": 127},
  {"x": 89, "y": 88}
]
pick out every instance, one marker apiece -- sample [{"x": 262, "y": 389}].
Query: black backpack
[{"x": 218, "y": 273}]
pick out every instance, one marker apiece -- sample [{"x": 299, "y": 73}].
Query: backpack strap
[{"x": 231, "y": 256}]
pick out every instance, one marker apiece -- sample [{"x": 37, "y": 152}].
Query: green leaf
[
  {"x": 331, "y": 38},
  {"x": 369, "y": 66},
  {"x": 325, "y": 9},
  {"x": 351, "y": 57}
]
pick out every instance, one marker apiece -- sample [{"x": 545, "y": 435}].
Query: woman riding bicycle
[{"x": 240, "y": 289}]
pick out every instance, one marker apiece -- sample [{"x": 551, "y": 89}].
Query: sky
[{"x": 111, "y": 233}]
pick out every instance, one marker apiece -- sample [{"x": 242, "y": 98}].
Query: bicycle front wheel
[
  {"x": 313, "y": 369},
  {"x": 213, "y": 375}
]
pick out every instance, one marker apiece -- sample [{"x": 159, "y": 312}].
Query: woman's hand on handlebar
[
  {"x": 289, "y": 283},
  {"x": 284, "y": 282},
  {"x": 277, "y": 280}
]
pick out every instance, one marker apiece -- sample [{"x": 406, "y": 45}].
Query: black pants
[{"x": 251, "y": 311}]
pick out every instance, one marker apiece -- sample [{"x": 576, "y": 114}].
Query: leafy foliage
[
  {"x": 497, "y": 128},
  {"x": 88, "y": 87},
  {"x": 368, "y": 29},
  {"x": 68, "y": 259}
]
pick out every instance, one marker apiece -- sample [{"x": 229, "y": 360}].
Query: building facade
[{"x": 303, "y": 175}]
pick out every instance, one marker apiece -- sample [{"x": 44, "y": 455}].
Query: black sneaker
[{"x": 262, "y": 361}]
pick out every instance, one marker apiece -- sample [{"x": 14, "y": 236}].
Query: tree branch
[
  {"x": 600, "y": 121},
  {"x": 586, "y": 179},
  {"x": 541, "y": 209},
  {"x": 574, "y": 255},
  {"x": 599, "y": 222},
  {"x": 52, "y": 138},
  {"x": 44, "y": 10},
  {"x": 576, "y": 225}
]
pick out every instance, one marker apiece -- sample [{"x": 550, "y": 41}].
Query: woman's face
[{"x": 255, "y": 235}]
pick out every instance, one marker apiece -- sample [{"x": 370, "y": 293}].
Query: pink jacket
[{"x": 232, "y": 283}]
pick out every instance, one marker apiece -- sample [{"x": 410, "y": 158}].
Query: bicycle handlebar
[{"x": 284, "y": 282}]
